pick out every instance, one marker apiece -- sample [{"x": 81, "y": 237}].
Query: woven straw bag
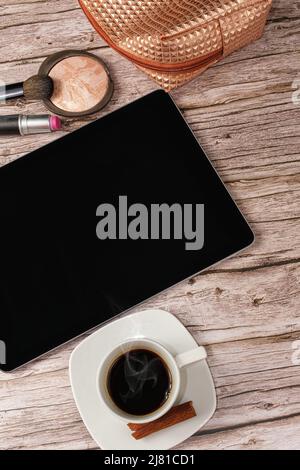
[{"x": 173, "y": 41}]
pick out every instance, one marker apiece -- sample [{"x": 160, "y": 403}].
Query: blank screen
[{"x": 57, "y": 278}]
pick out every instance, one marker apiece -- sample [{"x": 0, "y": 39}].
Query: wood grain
[{"x": 246, "y": 310}]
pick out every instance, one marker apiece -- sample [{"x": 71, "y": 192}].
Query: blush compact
[{"x": 82, "y": 83}]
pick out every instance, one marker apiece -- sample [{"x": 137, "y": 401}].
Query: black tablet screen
[{"x": 103, "y": 219}]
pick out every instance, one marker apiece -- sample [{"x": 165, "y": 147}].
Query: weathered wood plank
[{"x": 283, "y": 434}]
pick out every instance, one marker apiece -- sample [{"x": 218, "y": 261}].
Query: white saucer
[{"x": 197, "y": 384}]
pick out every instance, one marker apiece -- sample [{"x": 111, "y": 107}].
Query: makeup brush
[{"x": 38, "y": 87}]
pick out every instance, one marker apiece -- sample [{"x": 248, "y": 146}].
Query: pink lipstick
[{"x": 26, "y": 125}]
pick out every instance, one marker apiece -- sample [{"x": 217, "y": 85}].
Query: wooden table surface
[{"x": 246, "y": 311}]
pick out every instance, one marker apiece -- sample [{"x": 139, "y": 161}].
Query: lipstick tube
[{"x": 27, "y": 125}]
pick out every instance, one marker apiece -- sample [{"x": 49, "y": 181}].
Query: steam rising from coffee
[
  {"x": 139, "y": 382},
  {"x": 138, "y": 371}
]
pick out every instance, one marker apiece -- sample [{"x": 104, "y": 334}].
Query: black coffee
[{"x": 139, "y": 382}]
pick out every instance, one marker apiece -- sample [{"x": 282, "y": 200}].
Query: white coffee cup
[{"x": 173, "y": 363}]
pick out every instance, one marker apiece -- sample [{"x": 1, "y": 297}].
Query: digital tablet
[{"x": 103, "y": 219}]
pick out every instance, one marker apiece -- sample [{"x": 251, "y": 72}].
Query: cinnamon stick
[{"x": 176, "y": 415}]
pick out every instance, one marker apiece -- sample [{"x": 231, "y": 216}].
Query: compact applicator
[{"x": 38, "y": 87}]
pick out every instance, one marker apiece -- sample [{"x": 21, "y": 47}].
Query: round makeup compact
[{"x": 82, "y": 83}]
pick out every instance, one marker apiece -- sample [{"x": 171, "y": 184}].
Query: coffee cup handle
[{"x": 190, "y": 357}]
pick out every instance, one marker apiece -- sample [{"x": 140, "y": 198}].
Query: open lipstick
[{"x": 26, "y": 125}]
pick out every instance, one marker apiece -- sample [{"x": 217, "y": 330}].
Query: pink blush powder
[{"x": 80, "y": 83}]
